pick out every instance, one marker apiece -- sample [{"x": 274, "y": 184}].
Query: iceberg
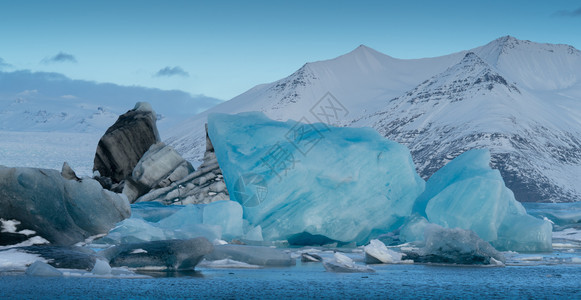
[
  {"x": 252, "y": 255},
  {"x": 468, "y": 194},
  {"x": 155, "y": 222},
  {"x": 42, "y": 269},
  {"x": 377, "y": 253},
  {"x": 341, "y": 263},
  {"x": 170, "y": 254},
  {"x": 345, "y": 184},
  {"x": 455, "y": 246}
]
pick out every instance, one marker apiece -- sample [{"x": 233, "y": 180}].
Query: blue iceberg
[
  {"x": 468, "y": 194},
  {"x": 292, "y": 178}
]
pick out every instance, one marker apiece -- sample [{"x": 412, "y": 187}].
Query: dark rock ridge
[
  {"x": 170, "y": 254},
  {"x": 205, "y": 185},
  {"x": 57, "y": 209},
  {"x": 125, "y": 142}
]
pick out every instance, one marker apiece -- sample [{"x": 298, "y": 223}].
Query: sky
[{"x": 223, "y": 48}]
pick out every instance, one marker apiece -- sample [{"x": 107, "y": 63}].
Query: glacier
[{"x": 345, "y": 184}]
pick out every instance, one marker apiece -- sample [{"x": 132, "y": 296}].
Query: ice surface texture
[{"x": 346, "y": 184}]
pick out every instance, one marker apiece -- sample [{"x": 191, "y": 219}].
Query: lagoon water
[
  {"x": 553, "y": 275},
  {"x": 309, "y": 280}
]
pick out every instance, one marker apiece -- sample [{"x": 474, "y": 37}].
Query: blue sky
[{"x": 223, "y": 48}]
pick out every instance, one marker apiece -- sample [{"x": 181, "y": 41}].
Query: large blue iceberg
[
  {"x": 468, "y": 194},
  {"x": 300, "y": 179}
]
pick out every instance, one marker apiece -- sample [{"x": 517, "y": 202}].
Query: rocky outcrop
[
  {"x": 170, "y": 254},
  {"x": 159, "y": 167},
  {"x": 125, "y": 142},
  {"x": 205, "y": 185},
  {"x": 45, "y": 204}
]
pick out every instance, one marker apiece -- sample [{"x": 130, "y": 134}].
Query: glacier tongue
[{"x": 345, "y": 184}]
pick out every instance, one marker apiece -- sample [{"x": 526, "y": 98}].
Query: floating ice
[
  {"x": 42, "y": 269},
  {"x": 341, "y": 263},
  {"x": 227, "y": 264},
  {"x": 468, "y": 194},
  {"x": 456, "y": 246},
  {"x": 217, "y": 220},
  {"x": 376, "y": 253},
  {"x": 254, "y": 255},
  {"x": 346, "y": 184},
  {"x": 171, "y": 254},
  {"x": 101, "y": 267}
]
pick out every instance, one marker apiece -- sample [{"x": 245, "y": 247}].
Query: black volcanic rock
[{"x": 125, "y": 142}]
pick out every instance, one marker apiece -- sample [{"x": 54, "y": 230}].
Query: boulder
[
  {"x": 159, "y": 167},
  {"x": 125, "y": 142},
  {"x": 169, "y": 254},
  {"x": 59, "y": 210}
]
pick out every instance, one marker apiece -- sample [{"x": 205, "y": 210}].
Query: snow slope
[{"x": 519, "y": 98}]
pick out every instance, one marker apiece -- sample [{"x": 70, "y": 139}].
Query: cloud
[
  {"x": 4, "y": 64},
  {"x": 61, "y": 57},
  {"x": 569, "y": 13},
  {"x": 171, "y": 71}
]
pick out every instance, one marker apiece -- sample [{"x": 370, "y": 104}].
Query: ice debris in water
[
  {"x": 42, "y": 269},
  {"x": 376, "y": 253},
  {"x": 455, "y": 246},
  {"x": 217, "y": 220},
  {"x": 341, "y": 263},
  {"x": 345, "y": 184}
]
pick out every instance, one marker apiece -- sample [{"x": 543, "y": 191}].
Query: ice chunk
[
  {"x": 217, "y": 220},
  {"x": 42, "y": 269},
  {"x": 455, "y": 246},
  {"x": 254, "y": 255},
  {"x": 101, "y": 268},
  {"x": 227, "y": 264},
  {"x": 227, "y": 215},
  {"x": 172, "y": 254},
  {"x": 468, "y": 194},
  {"x": 17, "y": 259},
  {"x": 346, "y": 184},
  {"x": 377, "y": 252},
  {"x": 341, "y": 263}
]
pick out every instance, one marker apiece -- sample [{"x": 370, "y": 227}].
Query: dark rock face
[
  {"x": 170, "y": 254},
  {"x": 125, "y": 142},
  {"x": 203, "y": 186},
  {"x": 59, "y": 210}
]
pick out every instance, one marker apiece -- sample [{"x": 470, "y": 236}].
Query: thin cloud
[
  {"x": 172, "y": 71},
  {"x": 569, "y": 13},
  {"x": 61, "y": 57},
  {"x": 4, "y": 64}
]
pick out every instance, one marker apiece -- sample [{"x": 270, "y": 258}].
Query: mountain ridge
[{"x": 504, "y": 112}]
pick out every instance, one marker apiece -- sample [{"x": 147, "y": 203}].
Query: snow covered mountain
[{"x": 520, "y": 99}]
